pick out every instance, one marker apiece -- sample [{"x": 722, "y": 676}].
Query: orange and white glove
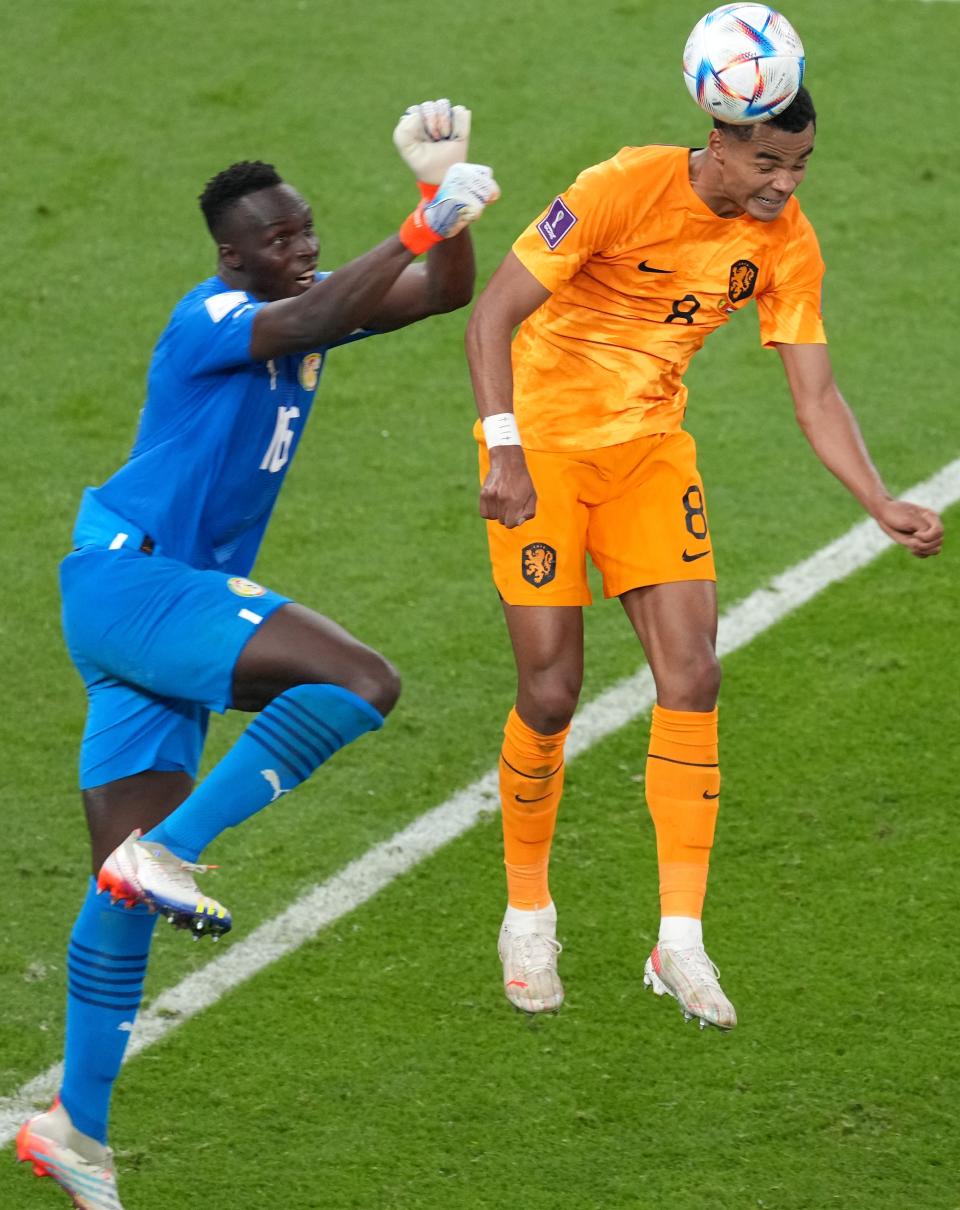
[
  {"x": 431, "y": 137},
  {"x": 464, "y": 192}
]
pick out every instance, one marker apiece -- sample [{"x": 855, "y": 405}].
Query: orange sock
[
  {"x": 531, "y": 782},
  {"x": 683, "y": 794}
]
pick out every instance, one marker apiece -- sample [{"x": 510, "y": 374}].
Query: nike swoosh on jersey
[
  {"x": 645, "y": 268},
  {"x": 706, "y": 795},
  {"x": 688, "y": 558}
]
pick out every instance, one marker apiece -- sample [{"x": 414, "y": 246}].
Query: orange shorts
[{"x": 637, "y": 509}]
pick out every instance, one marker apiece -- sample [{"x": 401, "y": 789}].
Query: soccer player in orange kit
[{"x": 615, "y": 287}]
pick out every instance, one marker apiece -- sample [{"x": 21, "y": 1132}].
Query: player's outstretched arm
[
  {"x": 445, "y": 281},
  {"x": 432, "y": 138},
  {"x": 832, "y": 430},
  {"x": 513, "y": 293},
  {"x": 356, "y": 295}
]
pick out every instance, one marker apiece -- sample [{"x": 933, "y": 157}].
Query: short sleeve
[
  {"x": 791, "y": 306},
  {"x": 214, "y": 332},
  {"x": 585, "y": 219}
]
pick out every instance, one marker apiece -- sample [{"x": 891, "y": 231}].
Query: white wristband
[{"x": 501, "y": 429}]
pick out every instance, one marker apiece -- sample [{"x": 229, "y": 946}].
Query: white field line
[{"x": 379, "y": 866}]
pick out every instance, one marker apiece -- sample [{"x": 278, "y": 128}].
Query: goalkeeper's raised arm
[
  {"x": 381, "y": 289},
  {"x": 433, "y": 140}
]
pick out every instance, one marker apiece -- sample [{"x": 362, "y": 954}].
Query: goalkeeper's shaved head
[{"x": 222, "y": 192}]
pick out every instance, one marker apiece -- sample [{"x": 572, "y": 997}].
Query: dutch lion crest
[{"x": 538, "y": 563}]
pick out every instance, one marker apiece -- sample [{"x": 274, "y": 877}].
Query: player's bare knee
[
  {"x": 705, "y": 683},
  {"x": 548, "y": 706},
  {"x": 378, "y": 683},
  {"x": 709, "y": 690},
  {"x": 694, "y": 687}
]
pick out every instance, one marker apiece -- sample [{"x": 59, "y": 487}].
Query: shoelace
[
  {"x": 536, "y": 951},
  {"x": 696, "y": 961},
  {"x": 178, "y": 871}
]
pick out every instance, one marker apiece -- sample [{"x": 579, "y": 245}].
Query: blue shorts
[{"x": 156, "y": 642}]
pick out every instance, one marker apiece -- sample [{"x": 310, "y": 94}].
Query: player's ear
[
  {"x": 716, "y": 144},
  {"x": 229, "y": 256}
]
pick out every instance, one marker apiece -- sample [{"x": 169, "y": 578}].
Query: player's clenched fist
[
  {"x": 919, "y": 529},
  {"x": 508, "y": 494},
  {"x": 464, "y": 192},
  {"x": 431, "y": 137}
]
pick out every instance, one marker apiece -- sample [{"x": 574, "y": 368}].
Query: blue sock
[
  {"x": 106, "y": 965},
  {"x": 283, "y": 745}
]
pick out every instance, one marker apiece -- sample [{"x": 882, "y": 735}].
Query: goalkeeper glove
[
  {"x": 464, "y": 192},
  {"x": 432, "y": 136}
]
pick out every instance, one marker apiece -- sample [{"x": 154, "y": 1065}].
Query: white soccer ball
[{"x": 743, "y": 63}]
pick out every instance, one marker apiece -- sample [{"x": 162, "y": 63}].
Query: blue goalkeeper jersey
[{"x": 216, "y": 437}]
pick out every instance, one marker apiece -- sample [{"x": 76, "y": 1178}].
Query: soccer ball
[{"x": 743, "y": 63}]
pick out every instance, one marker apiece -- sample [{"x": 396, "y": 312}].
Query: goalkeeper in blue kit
[{"x": 160, "y": 616}]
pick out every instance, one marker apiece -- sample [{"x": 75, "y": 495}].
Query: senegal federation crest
[
  {"x": 310, "y": 371},
  {"x": 743, "y": 277},
  {"x": 245, "y": 588},
  {"x": 538, "y": 563}
]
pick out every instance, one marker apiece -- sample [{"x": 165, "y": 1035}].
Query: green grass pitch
[{"x": 379, "y": 1068}]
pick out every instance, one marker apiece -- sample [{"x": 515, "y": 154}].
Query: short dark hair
[
  {"x": 222, "y": 192},
  {"x": 796, "y": 117}
]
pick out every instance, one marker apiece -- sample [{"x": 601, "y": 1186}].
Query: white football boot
[
  {"x": 142, "y": 871},
  {"x": 690, "y": 977},
  {"x": 528, "y": 949},
  {"x": 80, "y": 1165}
]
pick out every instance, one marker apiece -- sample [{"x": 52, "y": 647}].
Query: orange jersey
[{"x": 640, "y": 271}]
